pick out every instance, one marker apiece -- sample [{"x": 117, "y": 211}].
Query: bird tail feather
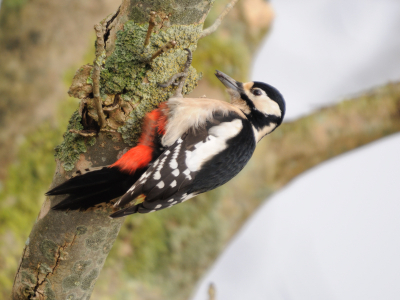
[{"x": 94, "y": 187}]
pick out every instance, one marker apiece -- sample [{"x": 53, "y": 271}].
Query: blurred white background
[{"x": 334, "y": 232}]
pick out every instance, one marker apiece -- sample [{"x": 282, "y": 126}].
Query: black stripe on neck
[{"x": 257, "y": 118}]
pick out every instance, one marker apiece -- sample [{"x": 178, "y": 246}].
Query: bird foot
[{"x": 179, "y": 78}]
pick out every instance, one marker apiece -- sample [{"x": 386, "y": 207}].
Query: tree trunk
[
  {"x": 65, "y": 251},
  {"x": 166, "y": 253}
]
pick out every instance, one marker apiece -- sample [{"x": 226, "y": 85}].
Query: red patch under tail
[{"x": 141, "y": 155}]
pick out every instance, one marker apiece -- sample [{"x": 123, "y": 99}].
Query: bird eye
[{"x": 257, "y": 92}]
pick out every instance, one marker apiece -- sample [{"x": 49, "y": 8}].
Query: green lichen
[
  {"x": 71, "y": 297},
  {"x": 182, "y": 12},
  {"x": 96, "y": 240},
  {"x": 113, "y": 232},
  {"x": 89, "y": 80},
  {"x": 27, "y": 291},
  {"x": 48, "y": 249},
  {"x": 44, "y": 269},
  {"x": 48, "y": 291},
  {"x": 72, "y": 281},
  {"x": 73, "y": 145},
  {"x": 140, "y": 15},
  {"x": 92, "y": 141},
  {"x": 77, "y": 280},
  {"x": 81, "y": 230},
  {"x": 129, "y": 73},
  {"x": 63, "y": 254},
  {"x": 87, "y": 281},
  {"x": 81, "y": 266},
  {"x": 186, "y": 16},
  {"x": 28, "y": 278},
  {"x": 107, "y": 247}
]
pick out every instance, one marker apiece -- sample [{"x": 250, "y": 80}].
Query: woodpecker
[{"x": 188, "y": 146}]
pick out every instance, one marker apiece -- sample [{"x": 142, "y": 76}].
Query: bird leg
[
  {"x": 177, "y": 79},
  {"x": 182, "y": 77},
  {"x": 172, "y": 81}
]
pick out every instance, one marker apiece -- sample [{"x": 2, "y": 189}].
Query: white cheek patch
[
  {"x": 265, "y": 105},
  {"x": 214, "y": 144}
]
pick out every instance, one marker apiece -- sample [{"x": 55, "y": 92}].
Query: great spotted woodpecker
[{"x": 188, "y": 146}]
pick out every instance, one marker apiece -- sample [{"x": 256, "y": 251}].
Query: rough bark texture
[
  {"x": 66, "y": 250},
  {"x": 161, "y": 256}
]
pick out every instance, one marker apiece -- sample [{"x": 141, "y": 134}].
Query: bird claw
[
  {"x": 179, "y": 78},
  {"x": 172, "y": 81}
]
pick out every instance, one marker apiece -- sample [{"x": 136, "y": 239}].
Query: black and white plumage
[
  {"x": 206, "y": 143},
  {"x": 209, "y": 142},
  {"x": 196, "y": 162}
]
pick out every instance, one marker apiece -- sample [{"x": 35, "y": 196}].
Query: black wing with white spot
[
  {"x": 165, "y": 182},
  {"x": 172, "y": 177}
]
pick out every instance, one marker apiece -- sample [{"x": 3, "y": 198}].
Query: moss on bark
[
  {"x": 161, "y": 256},
  {"x": 127, "y": 71}
]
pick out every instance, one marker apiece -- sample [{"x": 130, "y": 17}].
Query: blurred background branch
[{"x": 218, "y": 21}]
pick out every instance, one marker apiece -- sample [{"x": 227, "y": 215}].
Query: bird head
[{"x": 262, "y": 104}]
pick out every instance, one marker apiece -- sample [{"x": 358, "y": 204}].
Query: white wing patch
[
  {"x": 192, "y": 113},
  {"x": 214, "y": 144},
  {"x": 161, "y": 184},
  {"x": 173, "y": 163},
  {"x": 157, "y": 174}
]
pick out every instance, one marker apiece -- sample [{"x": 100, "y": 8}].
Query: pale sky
[{"x": 334, "y": 232}]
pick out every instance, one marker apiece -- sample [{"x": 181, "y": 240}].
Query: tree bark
[
  {"x": 166, "y": 253},
  {"x": 65, "y": 251}
]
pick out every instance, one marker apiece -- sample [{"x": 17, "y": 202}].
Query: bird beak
[{"x": 230, "y": 83}]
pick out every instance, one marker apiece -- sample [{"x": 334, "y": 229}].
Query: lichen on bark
[
  {"x": 73, "y": 144},
  {"x": 129, "y": 73},
  {"x": 181, "y": 12}
]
